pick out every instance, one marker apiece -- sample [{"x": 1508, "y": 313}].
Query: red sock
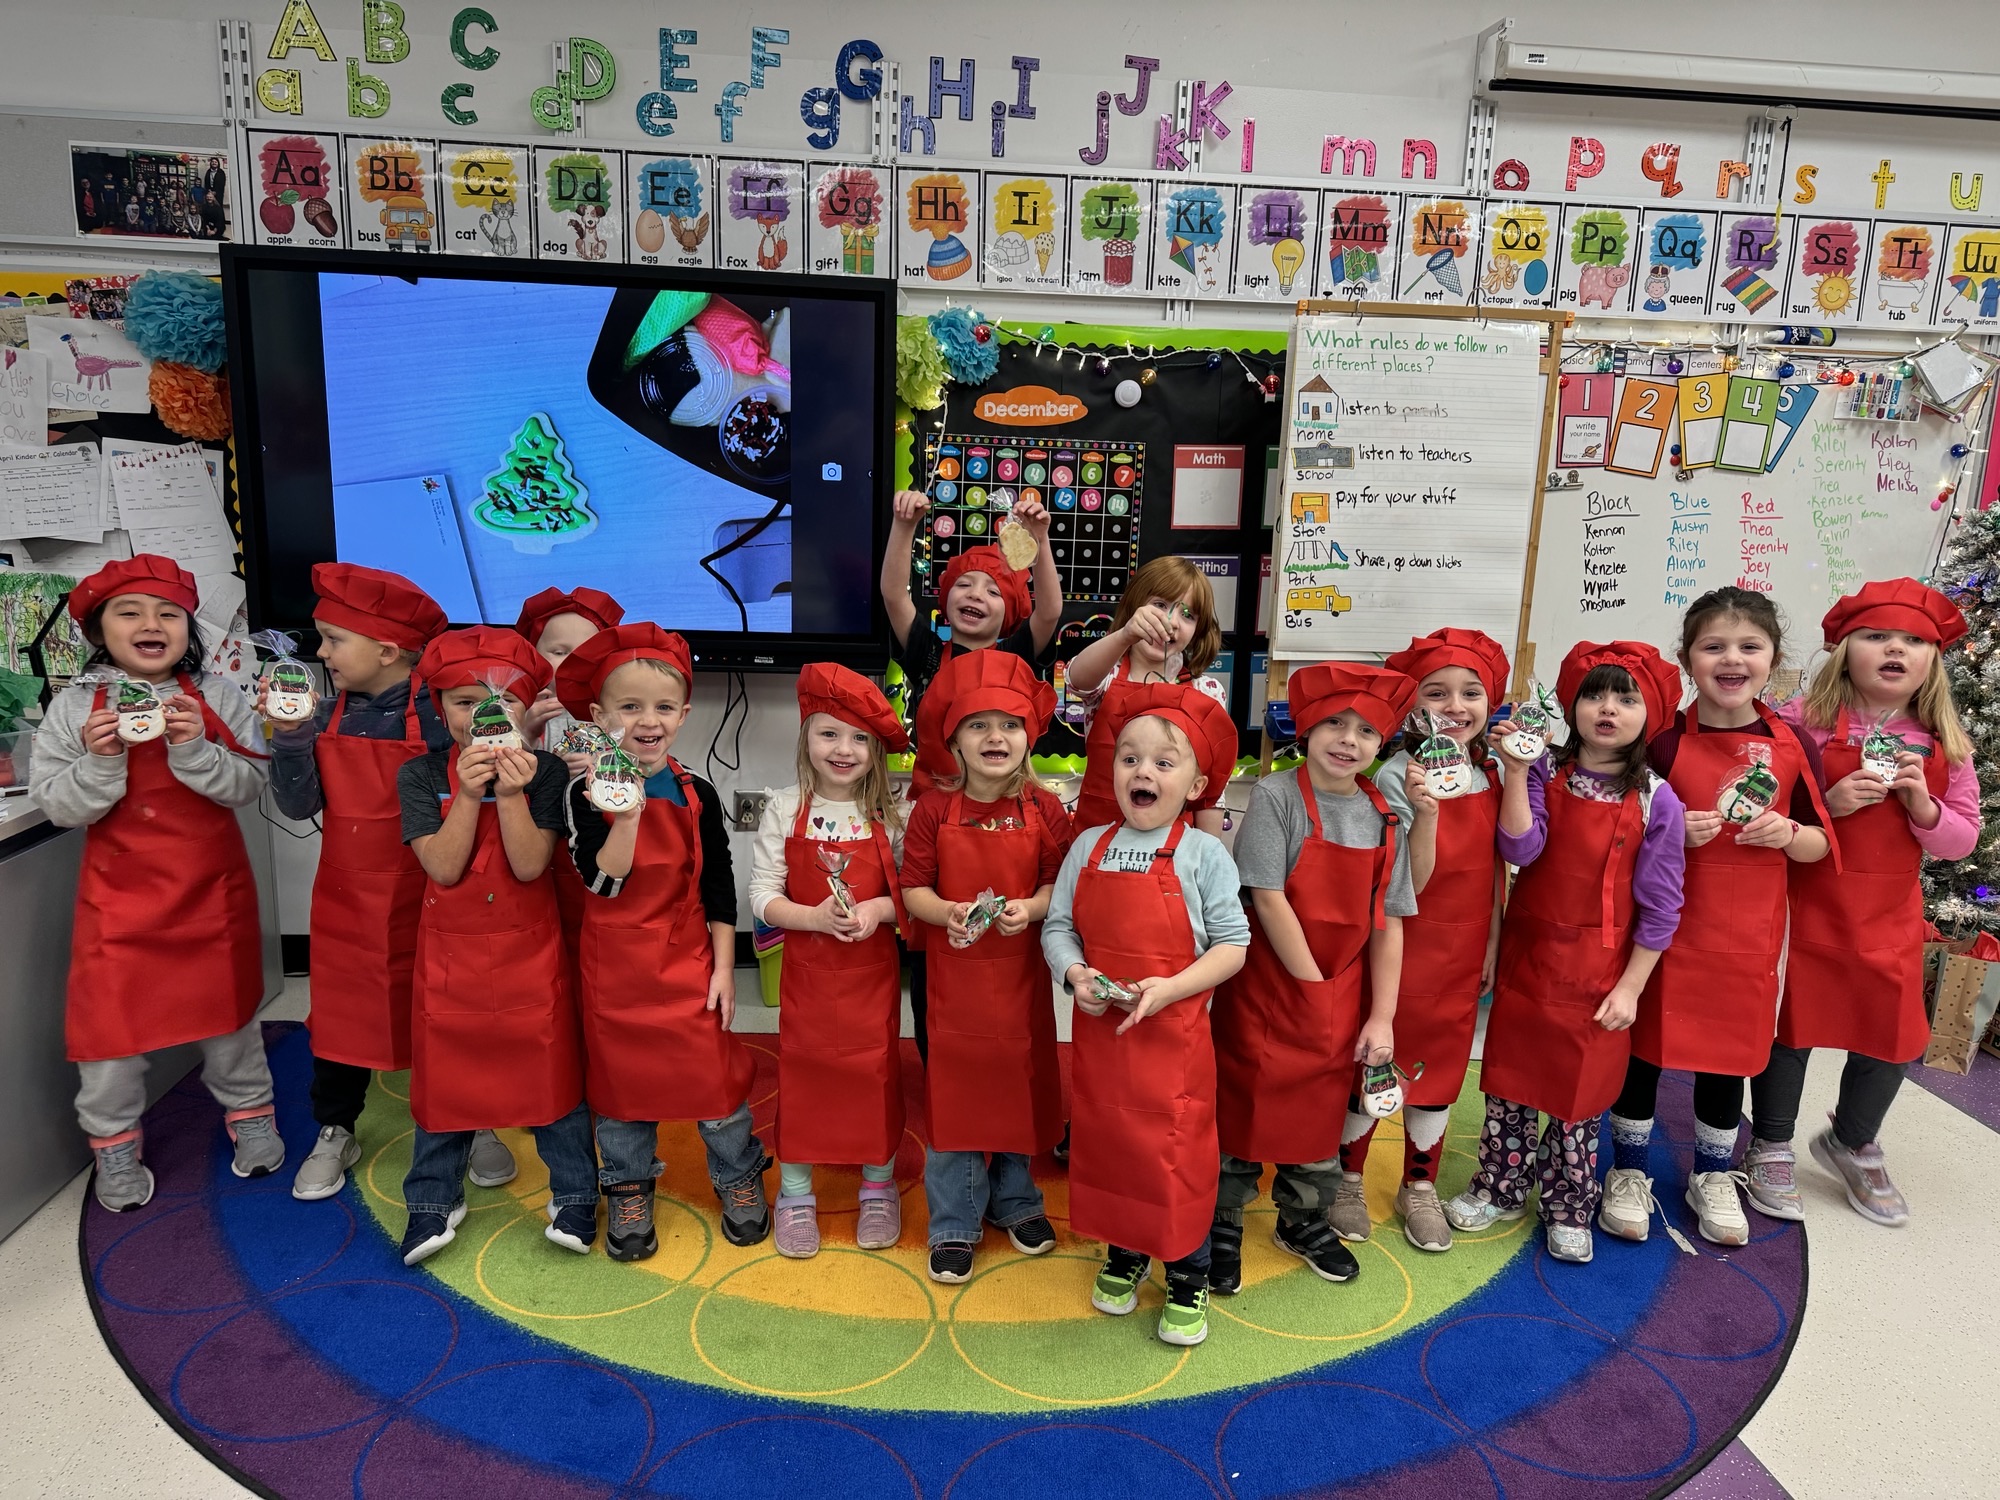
[
  {"x": 1354, "y": 1153},
  {"x": 1420, "y": 1165}
]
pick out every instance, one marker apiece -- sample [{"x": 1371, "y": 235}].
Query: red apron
[
  {"x": 1563, "y": 946},
  {"x": 652, "y": 1048},
  {"x": 1712, "y": 1003},
  {"x": 1855, "y": 977},
  {"x": 1444, "y": 948},
  {"x": 493, "y": 1025},
  {"x": 1097, "y": 801},
  {"x": 993, "y": 1082},
  {"x": 1285, "y": 1048},
  {"x": 840, "y": 1012},
  {"x": 367, "y": 896},
  {"x": 1144, "y": 1165},
  {"x": 167, "y": 946}
]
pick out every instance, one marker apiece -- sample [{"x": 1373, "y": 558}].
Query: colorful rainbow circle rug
[{"x": 288, "y": 1342}]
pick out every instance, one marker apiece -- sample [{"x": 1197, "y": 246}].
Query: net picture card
[
  {"x": 761, "y": 202},
  {"x": 1110, "y": 237},
  {"x": 1794, "y": 402},
  {"x": 1517, "y": 265},
  {"x": 482, "y": 200},
  {"x": 393, "y": 204},
  {"x": 1584, "y": 412},
  {"x": 850, "y": 230},
  {"x": 299, "y": 182},
  {"x": 409, "y": 526},
  {"x": 670, "y": 208},
  {"x": 1639, "y": 437},
  {"x": 937, "y": 227},
  {"x": 1208, "y": 488},
  {"x": 579, "y": 204},
  {"x": 1362, "y": 237},
  {"x": 1829, "y": 266},
  {"x": 1676, "y": 263},
  {"x": 1026, "y": 235},
  {"x": 1750, "y": 410},
  {"x": 1276, "y": 235},
  {"x": 1904, "y": 260},
  {"x": 1701, "y": 402},
  {"x": 1440, "y": 257}
]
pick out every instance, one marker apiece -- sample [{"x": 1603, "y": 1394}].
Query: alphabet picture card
[
  {"x": 1276, "y": 242},
  {"x": 1596, "y": 258},
  {"x": 1025, "y": 242},
  {"x": 847, "y": 223},
  {"x": 1109, "y": 239},
  {"x": 1752, "y": 268},
  {"x": 298, "y": 181},
  {"x": 1676, "y": 263},
  {"x": 1192, "y": 231},
  {"x": 579, "y": 204},
  {"x": 937, "y": 228},
  {"x": 1362, "y": 234},
  {"x": 394, "y": 202},
  {"x": 1971, "y": 290},
  {"x": 759, "y": 229},
  {"x": 1829, "y": 266},
  {"x": 1517, "y": 265},
  {"x": 484, "y": 196},
  {"x": 1440, "y": 254},
  {"x": 1904, "y": 260},
  {"x": 670, "y": 202}
]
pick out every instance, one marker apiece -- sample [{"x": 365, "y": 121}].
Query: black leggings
[
  {"x": 1718, "y": 1097},
  {"x": 1867, "y": 1088},
  {"x": 338, "y": 1092}
]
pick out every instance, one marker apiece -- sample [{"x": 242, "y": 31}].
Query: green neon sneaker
[
  {"x": 1117, "y": 1288},
  {"x": 1184, "y": 1320}
]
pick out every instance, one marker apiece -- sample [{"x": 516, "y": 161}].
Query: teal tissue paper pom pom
[
  {"x": 177, "y": 315},
  {"x": 970, "y": 358}
]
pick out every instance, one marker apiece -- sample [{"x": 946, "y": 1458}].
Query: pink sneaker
[
  {"x": 797, "y": 1231},
  {"x": 881, "y": 1221}
]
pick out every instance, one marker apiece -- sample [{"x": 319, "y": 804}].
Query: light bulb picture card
[
  {"x": 1361, "y": 236},
  {"x": 1277, "y": 234},
  {"x": 670, "y": 203},
  {"x": 393, "y": 204},
  {"x": 1025, "y": 239},
  {"x": 759, "y": 228},
  {"x": 484, "y": 200},
  {"x": 1676, "y": 263},
  {"x": 1585, "y": 408},
  {"x": 1749, "y": 414},
  {"x": 848, "y": 228},
  {"x": 1517, "y": 265},
  {"x": 298, "y": 178},
  {"x": 1109, "y": 238},
  {"x": 1639, "y": 433},
  {"x": 1829, "y": 269},
  {"x": 1701, "y": 403},
  {"x": 1195, "y": 237},
  {"x": 1971, "y": 290},
  {"x": 1596, "y": 259},
  {"x": 1440, "y": 255},
  {"x": 1904, "y": 260},
  {"x": 937, "y": 226},
  {"x": 1752, "y": 267},
  {"x": 579, "y": 204}
]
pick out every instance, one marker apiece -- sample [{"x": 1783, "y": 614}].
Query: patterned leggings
[{"x": 1562, "y": 1156}]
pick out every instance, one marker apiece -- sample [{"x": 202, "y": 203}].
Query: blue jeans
[
  {"x": 627, "y": 1148},
  {"x": 436, "y": 1181},
  {"x": 964, "y": 1191}
]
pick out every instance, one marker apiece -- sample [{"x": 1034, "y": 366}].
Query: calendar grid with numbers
[{"x": 1092, "y": 490}]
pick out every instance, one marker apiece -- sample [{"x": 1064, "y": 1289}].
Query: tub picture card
[
  {"x": 1794, "y": 402},
  {"x": 1702, "y": 398},
  {"x": 1675, "y": 265},
  {"x": 1360, "y": 239},
  {"x": 937, "y": 227},
  {"x": 1440, "y": 259},
  {"x": 760, "y": 228},
  {"x": 1903, "y": 261},
  {"x": 1749, "y": 412},
  {"x": 579, "y": 204},
  {"x": 1276, "y": 240},
  {"x": 298, "y": 180},
  {"x": 1517, "y": 265},
  {"x": 670, "y": 206},
  {"x": 394, "y": 199},
  {"x": 1639, "y": 435},
  {"x": 849, "y": 228},
  {"x": 1025, "y": 239},
  {"x": 1584, "y": 412},
  {"x": 1752, "y": 265},
  {"x": 1971, "y": 289},
  {"x": 1194, "y": 240},
  {"x": 484, "y": 195},
  {"x": 1110, "y": 239},
  {"x": 1596, "y": 259},
  {"x": 1829, "y": 269}
]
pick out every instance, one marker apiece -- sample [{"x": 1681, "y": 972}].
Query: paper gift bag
[{"x": 1963, "y": 1000}]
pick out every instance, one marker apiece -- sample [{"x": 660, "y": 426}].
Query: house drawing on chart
[{"x": 1318, "y": 403}]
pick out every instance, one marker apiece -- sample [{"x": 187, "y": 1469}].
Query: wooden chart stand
[{"x": 1279, "y": 672}]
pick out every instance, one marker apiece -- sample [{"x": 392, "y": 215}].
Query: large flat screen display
[{"x": 712, "y": 450}]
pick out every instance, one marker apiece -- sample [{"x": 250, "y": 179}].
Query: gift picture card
[
  {"x": 1517, "y": 264},
  {"x": 482, "y": 200},
  {"x": 1675, "y": 265},
  {"x": 937, "y": 225},
  {"x": 759, "y": 228},
  {"x": 1904, "y": 260},
  {"x": 1109, "y": 238},
  {"x": 1440, "y": 257},
  {"x": 1362, "y": 235},
  {"x": 1025, "y": 242},
  {"x": 1193, "y": 239},
  {"x": 848, "y": 232},
  {"x": 670, "y": 203},
  {"x": 1277, "y": 232},
  {"x": 1596, "y": 259}
]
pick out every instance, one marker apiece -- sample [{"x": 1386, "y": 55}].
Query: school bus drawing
[
  {"x": 406, "y": 222},
  {"x": 1309, "y": 509},
  {"x": 1300, "y": 601}
]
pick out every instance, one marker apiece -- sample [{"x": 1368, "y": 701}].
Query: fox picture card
[{"x": 760, "y": 224}]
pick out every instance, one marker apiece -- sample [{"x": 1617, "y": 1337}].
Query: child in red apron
[
  {"x": 1146, "y": 920},
  {"x": 493, "y": 1033},
  {"x": 161, "y": 837},
  {"x": 1453, "y": 941},
  {"x": 1600, "y": 842},
  {"x": 840, "y": 991},
  {"x": 658, "y": 947},
  {"x": 1854, "y": 975},
  {"x": 992, "y": 1083},
  {"x": 1751, "y": 789},
  {"x": 340, "y": 767},
  {"x": 1328, "y": 873}
]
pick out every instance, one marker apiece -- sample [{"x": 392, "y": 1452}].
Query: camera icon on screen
[{"x": 829, "y": 472}]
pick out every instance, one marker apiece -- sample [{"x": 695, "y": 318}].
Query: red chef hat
[
  {"x": 381, "y": 606},
  {"x": 581, "y": 676},
  {"x": 1380, "y": 695},
  {"x": 1894, "y": 604},
  {"x": 148, "y": 573},
  {"x": 1204, "y": 721},
  {"x": 825, "y": 688},
  {"x": 1474, "y": 650},
  {"x": 1016, "y": 605},
  {"x": 489, "y": 655},
  {"x": 996, "y": 681},
  {"x": 594, "y": 605},
  {"x": 1659, "y": 680}
]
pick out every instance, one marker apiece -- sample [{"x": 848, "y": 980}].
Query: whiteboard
[
  {"x": 1409, "y": 481},
  {"x": 1623, "y": 555}
]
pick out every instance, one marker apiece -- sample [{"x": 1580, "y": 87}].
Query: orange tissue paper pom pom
[{"x": 191, "y": 403}]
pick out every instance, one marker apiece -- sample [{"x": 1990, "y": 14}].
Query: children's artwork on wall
[
  {"x": 24, "y": 398},
  {"x": 937, "y": 225},
  {"x": 299, "y": 181},
  {"x": 1971, "y": 289},
  {"x": 760, "y": 226},
  {"x": 670, "y": 203},
  {"x": 579, "y": 204},
  {"x": 393, "y": 205},
  {"x": 1517, "y": 266},
  {"x": 1360, "y": 234},
  {"x": 483, "y": 200},
  {"x": 848, "y": 232},
  {"x": 1752, "y": 266},
  {"x": 92, "y": 365},
  {"x": 1277, "y": 235},
  {"x": 1596, "y": 260},
  {"x": 1440, "y": 260},
  {"x": 149, "y": 192},
  {"x": 1193, "y": 234},
  {"x": 1904, "y": 260},
  {"x": 1108, "y": 234},
  {"x": 27, "y": 599},
  {"x": 1829, "y": 271},
  {"x": 1675, "y": 263},
  {"x": 1025, "y": 242}
]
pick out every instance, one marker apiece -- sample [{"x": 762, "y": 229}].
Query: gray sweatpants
[
  {"x": 1301, "y": 1190},
  {"x": 113, "y": 1093}
]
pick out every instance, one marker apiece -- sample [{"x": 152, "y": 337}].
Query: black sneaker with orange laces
[
  {"x": 746, "y": 1217},
  {"x": 628, "y": 1225}
]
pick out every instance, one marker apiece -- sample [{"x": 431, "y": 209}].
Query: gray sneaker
[
  {"x": 1870, "y": 1193},
  {"x": 1349, "y": 1213},
  {"x": 324, "y": 1172},
  {"x": 491, "y": 1164},
  {"x": 1570, "y": 1242},
  {"x": 746, "y": 1215},
  {"x": 123, "y": 1182},
  {"x": 259, "y": 1152}
]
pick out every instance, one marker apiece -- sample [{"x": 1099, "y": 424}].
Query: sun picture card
[
  {"x": 484, "y": 194},
  {"x": 1676, "y": 263},
  {"x": 1277, "y": 240},
  {"x": 1360, "y": 237},
  {"x": 1110, "y": 239},
  {"x": 1194, "y": 238},
  {"x": 1026, "y": 242},
  {"x": 937, "y": 226},
  {"x": 1829, "y": 269},
  {"x": 850, "y": 229},
  {"x": 760, "y": 211}
]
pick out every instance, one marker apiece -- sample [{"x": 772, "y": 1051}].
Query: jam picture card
[{"x": 1110, "y": 241}]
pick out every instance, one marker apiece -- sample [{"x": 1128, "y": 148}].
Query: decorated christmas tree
[
  {"x": 1963, "y": 896},
  {"x": 534, "y": 498}
]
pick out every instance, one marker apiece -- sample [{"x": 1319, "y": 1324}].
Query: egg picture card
[{"x": 671, "y": 210}]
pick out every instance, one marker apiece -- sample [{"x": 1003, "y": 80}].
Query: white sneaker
[
  {"x": 324, "y": 1172},
  {"x": 1713, "y": 1197},
  {"x": 1470, "y": 1212},
  {"x": 491, "y": 1164},
  {"x": 1570, "y": 1242},
  {"x": 1627, "y": 1210}
]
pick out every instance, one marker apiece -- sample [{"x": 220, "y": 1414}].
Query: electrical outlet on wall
[{"x": 748, "y": 809}]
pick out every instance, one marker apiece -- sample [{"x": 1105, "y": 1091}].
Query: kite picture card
[
  {"x": 1676, "y": 263},
  {"x": 1361, "y": 239},
  {"x": 1752, "y": 266},
  {"x": 1904, "y": 261},
  {"x": 1517, "y": 265},
  {"x": 1440, "y": 252},
  {"x": 1829, "y": 269},
  {"x": 670, "y": 207},
  {"x": 1596, "y": 259},
  {"x": 1639, "y": 436},
  {"x": 1702, "y": 399},
  {"x": 1025, "y": 238},
  {"x": 1194, "y": 238},
  {"x": 937, "y": 226},
  {"x": 1277, "y": 242}
]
